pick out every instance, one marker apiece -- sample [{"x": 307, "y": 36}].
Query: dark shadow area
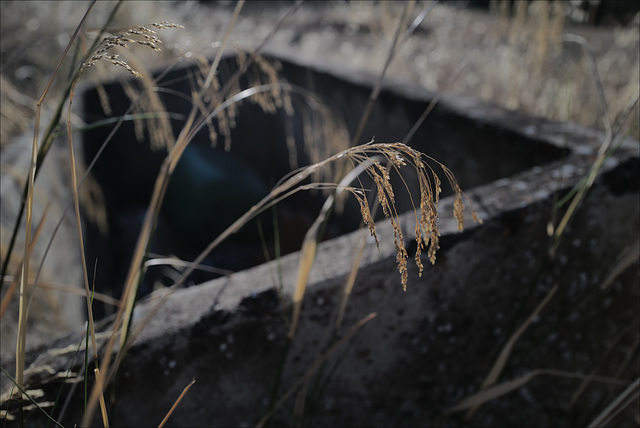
[{"x": 212, "y": 186}]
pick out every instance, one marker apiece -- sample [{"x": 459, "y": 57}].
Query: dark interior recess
[{"x": 477, "y": 153}]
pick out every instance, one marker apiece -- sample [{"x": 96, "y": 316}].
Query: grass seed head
[
  {"x": 122, "y": 39},
  {"x": 426, "y": 228}
]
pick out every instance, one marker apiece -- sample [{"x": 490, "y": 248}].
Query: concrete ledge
[{"x": 428, "y": 347}]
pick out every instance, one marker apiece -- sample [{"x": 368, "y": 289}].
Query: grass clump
[
  {"x": 222, "y": 99},
  {"x": 371, "y": 166},
  {"x": 426, "y": 232}
]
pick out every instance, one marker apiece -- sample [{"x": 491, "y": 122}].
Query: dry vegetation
[{"x": 517, "y": 61}]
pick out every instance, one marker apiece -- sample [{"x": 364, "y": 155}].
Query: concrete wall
[{"x": 428, "y": 347}]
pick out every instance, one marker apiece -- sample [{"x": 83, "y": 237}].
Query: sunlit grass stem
[{"x": 23, "y": 312}]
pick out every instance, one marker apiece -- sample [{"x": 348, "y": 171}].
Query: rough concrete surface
[{"x": 427, "y": 348}]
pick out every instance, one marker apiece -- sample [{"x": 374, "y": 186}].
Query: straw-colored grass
[
  {"x": 335, "y": 168},
  {"x": 268, "y": 96}
]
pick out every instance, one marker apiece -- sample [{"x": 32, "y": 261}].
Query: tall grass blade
[
  {"x": 353, "y": 330},
  {"x": 76, "y": 204},
  {"x": 6, "y": 300},
  {"x": 378, "y": 85},
  {"x": 611, "y": 346},
  {"x": 21, "y": 342},
  {"x": 625, "y": 398},
  {"x": 189, "y": 130},
  {"x": 69, "y": 289},
  {"x": 49, "y": 133},
  {"x": 26, "y": 394},
  {"x": 223, "y": 44},
  {"x": 602, "y": 151},
  {"x": 476, "y": 400},
  {"x": 310, "y": 243},
  {"x": 307, "y": 256},
  {"x": 100, "y": 54},
  {"x": 85, "y": 176},
  {"x": 499, "y": 390},
  {"x": 502, "y": 359},
  {"x": 628, "y": 257},
  {"x": 103, "y": 406},
  {"x": 170, "y": 412},
  {"x": 351, "y": 279}
]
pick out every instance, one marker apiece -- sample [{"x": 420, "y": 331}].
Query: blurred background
[{"x": 508, "y": 53}]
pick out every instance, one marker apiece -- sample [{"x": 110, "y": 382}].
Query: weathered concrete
[
  {"x": 431, "y": 346},
  {"x": 456, "y": 135}
]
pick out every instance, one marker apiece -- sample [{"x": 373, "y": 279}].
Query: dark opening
[{"x": 212, "y": 187}]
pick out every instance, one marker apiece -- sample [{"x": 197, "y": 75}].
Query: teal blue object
[{"x": 209, "y": 190}]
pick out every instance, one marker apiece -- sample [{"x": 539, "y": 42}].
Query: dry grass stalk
[
  {"x": 408, "y": 6},
  {"x": 102, "y": 53},
  {"x": 502, "y": 359},
  {"x": 609, "y": 347},
  {"x": 627, "y": 258},
  {"x": 35, "y": 150},
  {"x": 138, "y": 34},
  {"x": 76, "y": 203},
  {"x": 310, "y": 243},
  {"x": 147, "y": 100},
  {"x": 103, "y": 406},
  {"x": 16, "y": 112},
  {"x": 623, "y": 400},
  {"x": 509, "y": 386},
  {"x": 191, "y": 127},
  {"x": 426, "y": 230},
  {"x": 316, "y": 364},
  {"x": 93, "y": 201},
  {"x": 69, "y": 289},
  {"x": 170, "y": 412},
  {"x": 488, "y": 391},
  {"x": 307, "y": 256},
  {"x": 6, "y": 300},
  {"x": 397, "y": 154},
  {"x": 604, "y": 149}
]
